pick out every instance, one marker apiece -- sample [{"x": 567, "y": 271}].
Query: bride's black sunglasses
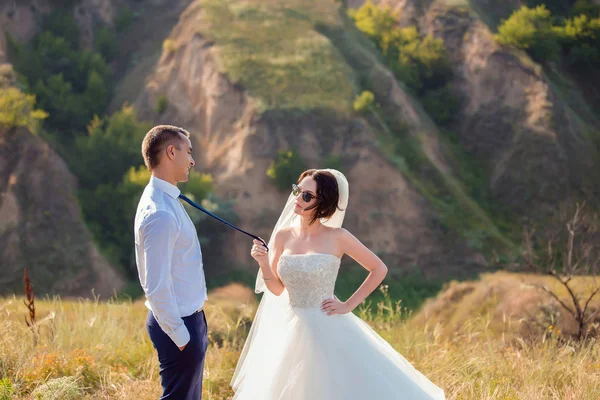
[{"x": 307, "y": 197}]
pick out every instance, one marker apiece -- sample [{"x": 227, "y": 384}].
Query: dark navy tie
[{"x": 199, "y": 207}]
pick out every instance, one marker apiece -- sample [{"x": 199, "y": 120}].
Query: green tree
[
  {"x": 96, "y": 94},
  {"x": 109, "y": 210},
  {"x": 581, "y": 41},
  {"x": 61, "y": 23},
  {"x": 65, "y": 108},
  {"x": 71, "y": 84},
  {"x": 376, "y": 22},
  {"x": 106, "y": 43},
  {"x": 531, "y": 29},
  {"x": 88, "y": 62},
  {"x": 109, "y": 149},
  {"x": 18, "y": 109},
  {"x": 422, "y": 61},
  {"x": 442, "y": 105},
  {"x": 198, "y": 185},
  {"x": 286, "y": 169}
]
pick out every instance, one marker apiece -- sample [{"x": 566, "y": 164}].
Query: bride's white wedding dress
[{"x": 298, "y": 352}]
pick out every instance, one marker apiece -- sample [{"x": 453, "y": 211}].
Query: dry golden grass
[
  {"x": 513, "y": 305},
  {"x": 105, "y": 346}
]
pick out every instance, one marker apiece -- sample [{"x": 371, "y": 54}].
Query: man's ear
[{"x": 170, "y": 150}]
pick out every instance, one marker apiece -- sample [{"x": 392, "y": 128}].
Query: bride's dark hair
[{"x": 328, "y": 194}]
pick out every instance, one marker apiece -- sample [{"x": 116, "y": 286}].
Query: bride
[{"x": 304, "y": 343}]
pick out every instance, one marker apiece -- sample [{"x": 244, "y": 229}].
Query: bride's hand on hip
[
  {"x": 259, "y": 252},
  {"x": 334, "y": 306}
]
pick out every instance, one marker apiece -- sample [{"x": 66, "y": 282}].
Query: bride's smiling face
[{"x": 307, "y": 190}]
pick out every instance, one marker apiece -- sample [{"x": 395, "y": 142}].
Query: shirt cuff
[{"x": 180, "y": 336}]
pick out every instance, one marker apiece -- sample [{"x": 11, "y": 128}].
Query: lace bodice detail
[{"x": 308, "y": 278}]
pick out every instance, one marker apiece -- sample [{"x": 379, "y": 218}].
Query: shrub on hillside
[
  {"x": 420, "y": 62},
  {"x": 162, "y": 102},
  {"x": 376, "y": 22},
  {"x": 169, "y": 46},
  {"x": 556, "y": 7},
  {"x": 581, "y": 41},
  {"x": 531, "y": 29},
  {"x": 286, "y": 169},
  {"x": 568, "y": 8},
  {"x": 18, "y": 109},
  {"x": 442, "y": 105},
  {"x": 364, "y": 101}
]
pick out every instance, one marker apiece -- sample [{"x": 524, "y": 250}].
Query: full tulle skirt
[{"x": 297, "y": 353}]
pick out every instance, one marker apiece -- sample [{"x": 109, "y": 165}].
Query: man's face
[{"x": 183, "y": 159}]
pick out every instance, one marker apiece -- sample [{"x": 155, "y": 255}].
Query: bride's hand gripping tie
[
  {"x": 260, "y": 254},
  {"x": 267, "y": 273}
]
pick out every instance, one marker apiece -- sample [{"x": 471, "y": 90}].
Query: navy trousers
[{"x": 180, "y": 371}]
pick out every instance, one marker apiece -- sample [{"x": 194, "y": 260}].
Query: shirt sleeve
[{"x": 159, "y": 233}]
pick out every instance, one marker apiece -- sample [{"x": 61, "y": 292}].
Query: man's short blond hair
[{"x": 157, "y": 139}]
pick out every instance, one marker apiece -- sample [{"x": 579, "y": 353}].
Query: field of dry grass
[{"x": 100, "y": 350}]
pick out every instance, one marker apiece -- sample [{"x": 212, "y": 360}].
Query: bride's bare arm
[
  {"x": 269, "y": 272},
  {"x": 350, "y": 245}
]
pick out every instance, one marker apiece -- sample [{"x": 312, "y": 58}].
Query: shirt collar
[{"x": 165, "y": 186}]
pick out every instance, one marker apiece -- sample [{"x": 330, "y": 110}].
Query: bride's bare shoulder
[
  {"x": 285, "y": 231},
  {"x": 282, "y": 234},
  {"x": 337, "y": 231},
  {"x": 338, "y": 234}
]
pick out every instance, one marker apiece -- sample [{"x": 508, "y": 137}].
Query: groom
[{"x": 169, "y": 262}]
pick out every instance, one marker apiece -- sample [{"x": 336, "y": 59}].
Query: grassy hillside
[{"x": 272, "y": 49}]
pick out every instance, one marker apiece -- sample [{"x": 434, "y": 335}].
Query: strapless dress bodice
[{"x": 309, "y": 278}]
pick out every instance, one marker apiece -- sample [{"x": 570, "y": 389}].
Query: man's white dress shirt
[{"x": 169, "y": 259}]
